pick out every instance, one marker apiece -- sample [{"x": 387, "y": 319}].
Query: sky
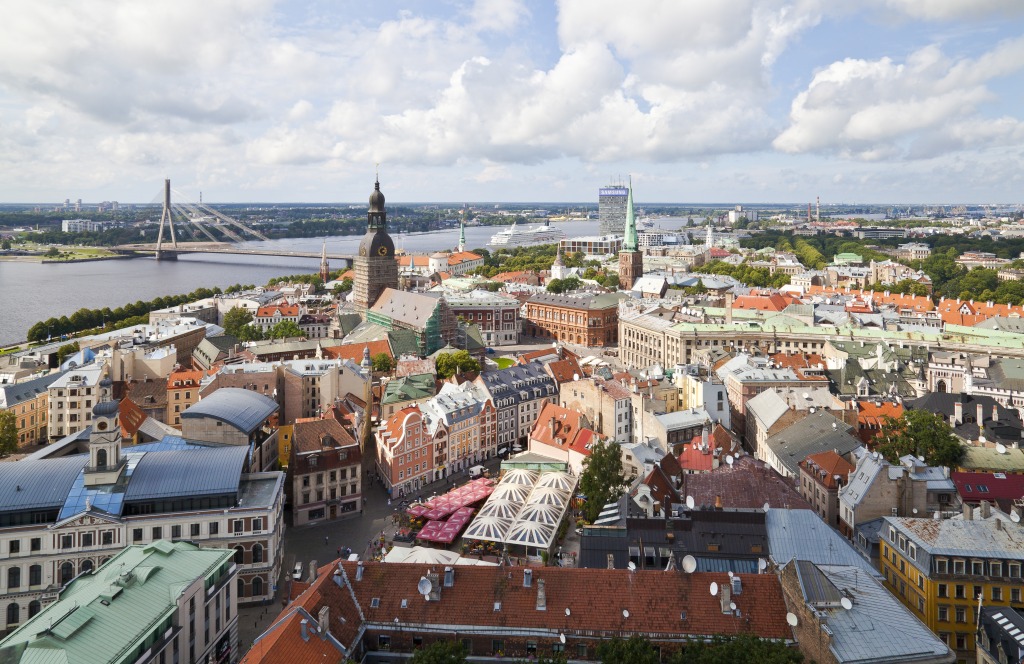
[{"x": 727, "y": 101}]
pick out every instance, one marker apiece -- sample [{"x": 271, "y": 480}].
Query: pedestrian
[
  {"x": 339, "y": 551},
  {"x": 325, "y": 540},
  {"x": 389, "y": 502}
]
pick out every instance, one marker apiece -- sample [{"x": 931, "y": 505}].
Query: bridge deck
[{"x": 224, "y": 248}]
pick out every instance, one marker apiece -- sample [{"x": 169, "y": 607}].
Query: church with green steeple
[{"x": 631, "y": 259}]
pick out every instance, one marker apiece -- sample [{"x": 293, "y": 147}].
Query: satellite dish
[
  {"x": 981, "y": 439},
  {"x": 1015, "y": 517},
  {"x": 762, "y": 564},
  {"x": 847, "y": 604},
  {"x": 424, "y": 586},
  {"x": 1000, "y": 448},
  {"x": 631, "y": 566},
  {"x": 561, "y": 638},
  {"x": 936, "y": 516},
  {"x": 732, "y": 605},
  {"x": 728, "y": 459},
  {"x": 811, "y": 410},
  {"x": 765, "y": 506},
  {"x": 714, "y": 588},
  {"x": 689, "y": 502},
  {"x": 567, "y": 611},
  {"x": 730, "y": 574},
  {"x": 689, "y": 564},
  {"x": 791, "y": 619},
  {"x": 914, "y": 510},
  {"x": 575, "y": 376},
  {"x": 625, "y": 613}
]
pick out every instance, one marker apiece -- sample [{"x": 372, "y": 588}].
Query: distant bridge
[{"x": 222, "y": 248}]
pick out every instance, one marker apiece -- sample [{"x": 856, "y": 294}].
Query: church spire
[
  {"x": 462, "y": 233},
  {"x": 630, "y": 242},
  {"x": 709, "y": 241},
  {"x": 325, "y": 268}
]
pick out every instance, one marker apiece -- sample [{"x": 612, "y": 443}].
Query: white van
[
  {"x": 477, "y": 471},
  {"x": 297, "y": 572}
]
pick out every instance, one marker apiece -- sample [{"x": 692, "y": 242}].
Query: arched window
[
  {"x": 241, "y": 587},
  {"x": 34, "y": 607},
  {"x": 35, "y": 575},
  {"x": 257, "y": 586},
  {"x": 13, "y": 614},
  {"x": 257, "y": 553},
  {"x": 239, "y": 555},
  {"x": 13, "y": 577},
  {"x": 67, "y": 572},
  {"x": 941, "y": 386},
  {"x": 87, "y": 566},
  {"x": 101, "y": 458}
]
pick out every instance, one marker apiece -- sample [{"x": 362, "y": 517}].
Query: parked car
[{"x": 297, "y": 572}]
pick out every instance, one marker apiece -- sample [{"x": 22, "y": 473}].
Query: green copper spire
[
  {"x": 462, "y": 234},
  {"x": 630, "y": 242}
]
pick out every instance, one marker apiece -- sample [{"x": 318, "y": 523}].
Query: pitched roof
[
  {"x": 814, "y": 433},
  {"x": 409, "y": 387},
  {"x": 413, "y": 309},
  {"x": 285, "y": 310},
  {"x": 747, "y": 483},
  {"x": 354, "y": 351},
  {"x": 312, "y": 434},
  {"x": 800, "y": 533},
  {"x": 563, "y": 371},
  {"x": 16, "y": 393},
  {"x": 974, "y": 487},
  {"x": 826, "y": 466},
  {"x": 569, "y": 425},
  {"x": 243, "y": 409}
]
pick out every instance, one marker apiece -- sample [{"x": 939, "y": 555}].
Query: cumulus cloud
[{"x": 882, "y": 109}]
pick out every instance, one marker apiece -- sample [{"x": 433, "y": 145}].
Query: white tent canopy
[
  {"x": 529, "y": 533},
  {"x": 489, "y": 528},
  {"x": 505, "y": 509},
  {"x": 520, "y": 476},
  {"x": 556, "y": 480}
]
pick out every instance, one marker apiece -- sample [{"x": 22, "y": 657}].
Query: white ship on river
[{"x": 519, "y": 237}]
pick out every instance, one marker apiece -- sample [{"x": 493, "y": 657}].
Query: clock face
[
  {"x": 101, "y": 425},
  {"x": 383, "y": 251},
  {"x": 362, "y": 251}
]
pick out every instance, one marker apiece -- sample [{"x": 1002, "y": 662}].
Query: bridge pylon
[{"x": 166, "y": 218}]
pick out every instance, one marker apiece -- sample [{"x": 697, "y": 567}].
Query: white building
[{"x": 71, "y": 399}]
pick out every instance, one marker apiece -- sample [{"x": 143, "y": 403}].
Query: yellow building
[
  {"x": 942, "y": 570},
  {"x": 28, "y": 400}
]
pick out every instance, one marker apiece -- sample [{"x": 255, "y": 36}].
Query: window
[
  {"x": 497, "y": 647},
  {"x": 214, "y": 528},
  {"x": 137, "y": 534},
  {"x": 237, "y": 526},
  {"x": 995, "y": 568},
  {"x": 13, "y": 577},
  {"x": 1015, "y": 594},
  {"x": 34, "y": 607},
  {"x": 195, "y": 530},
  {"x": 257, "y": 586},
  {"x": 943, "y": 614},
  {"x": 960, "y": 591},
  {"x": 959, "y": 566},
  {"x": 158, "y": 532},
  {"x": 977, "y": 568},
  {"x": 257, "y": 524},
  {"x": 384, "y": 642},
  {"x": 86, "y": 539},
  {"x": 36, "y": 544},
  {"x": 581, "y": 650},
  {"x": 1014, "y": 570},
  {"x": 35, "y": 575},
  {"x": 997, "y": 594},
  {"x": 13, "y": 617},
  {"x": 107, "y": 537},
  {"x": 531, "y": 648},
  {"x": 257, "y": 553},
  {"x": 67, "y": 572},
  {"x": 961, "y": 641},
  {"x": 961, "y": 614},
  {"x": 67, "y": 541},
  {"x": 943, "y": 590},
  {"x": 14, "y": 546},
  {"x": 176, "y": 532}
]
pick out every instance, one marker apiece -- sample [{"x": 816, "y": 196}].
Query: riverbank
[{"x": 67, "y": 254}]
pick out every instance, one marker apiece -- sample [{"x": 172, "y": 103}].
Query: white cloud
[
  {"x": 946, "y": 10},
  {"x": 881, "y": 109}
]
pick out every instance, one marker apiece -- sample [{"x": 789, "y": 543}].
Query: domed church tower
[
  {"x": 105, "y": 463},
  {"x": 375, "y": 267}
]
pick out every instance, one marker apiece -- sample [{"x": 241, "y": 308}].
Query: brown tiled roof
[
  {"x": 130, "y": 416},
  {"x": 655, "y": 600},
  {"x": 354, "y": 352},
  {"x": 824, "y": 467},
  {"x": 569, "y": 424},
  {"x": 155, "y": 389},
  {"x": 747, "y": 483},
  {"x": 563, "y": 370}
]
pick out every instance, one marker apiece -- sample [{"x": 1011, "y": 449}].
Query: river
[{"x": 30, "y": 292}]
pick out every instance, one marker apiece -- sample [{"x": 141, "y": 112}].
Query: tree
[
  {"x": 8, "y": 433},
  {"x": 53, "y": 252},
  {"x": 920, "y": 433},
  {"x": 449, "y": 364},
  {"x": 65, "y": 350},
  {"x": 286, "y": 329},
  {"x": 743, "y": 649},
  {"x": 636, "y": 650},
  {"x": 6, "y": 245},
  {"x": 250, "y": 333},
  {"x": 439, "y": 652},
  {"x": 236, "y": 319},
  {"x": 382, "y": 362},
  {"x": 563, "y": 285},
  {"x": 602, "y": 480},
  {"x": 344, "y": 287}
]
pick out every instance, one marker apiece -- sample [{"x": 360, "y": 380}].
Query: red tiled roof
[
  {"x": 463, "y": 256},
  {"x": 917, "y": 303},
  {"x": 805, "y": 365},
  {"x": 564, "y": 370},
  {"x": 354, "y": 352},
  {"x": 1009, "y": 487},
  {"x": 773, "y": 302},
  {"x": 569, "y": 425},
  {"x": 747, "y": 483},
  {"x": 871, "y": 416},
  {"x": 130, "y": 416},
  {"x": 824, "y": 467},
  {"x": 269, "y": 310},
  {"x": 187, "y": 379}
]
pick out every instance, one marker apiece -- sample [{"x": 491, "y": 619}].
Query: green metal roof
[
  {"x": 409, "y": 388},
  {"x": 126, "y": 604}
]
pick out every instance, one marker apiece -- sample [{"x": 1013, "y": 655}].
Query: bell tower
[
  {"x": 105, "y": 463},
  {"x": 375, "y": 265},
  {"x": 631, "y": 259}
]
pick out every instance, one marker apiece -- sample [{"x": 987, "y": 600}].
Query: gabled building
[
  {"x": 406, "y": 391},
  {"x": 563, "y": 434},
  {"x": 821, "y": 477},
  {"x": 270, "y": 315},
  {"x": 518, "y": 394},
  {"x": 407, "y": 450},
  {"x": 28, "y": 399},
  {"x": 70, "y": 400},
  {"x": 606, "y": 403},
  {"x": 183, "y": 389},
  {"x": 324, "y": 470},
  {"x": 815, "y": 433},
  {"x": 427, "y": 316},
  {"x": 468, "y": 420}
]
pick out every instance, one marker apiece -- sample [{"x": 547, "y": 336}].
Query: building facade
[
  {"x": 71, "y": 399},
  {"x": 518, "y": 395},
  {"x": 406, "y": 451},
  {"x": 325, "y": 467},
  {"x": 28, "y": 400},
  {"x": 611, "y": 208},
  {"x": 496, "y": 315},
  {"x": 587, "y": 319}
]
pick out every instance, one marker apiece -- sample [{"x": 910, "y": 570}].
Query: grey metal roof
[
  {"x": 15, "y": 393},
  {"x": 811, "y": 435},
  {"x": 198, "y": 471},
  {"x": 818, "y": 591},
  {"x": 243, "y": 409},
  {"x": 38, "y": 484},
  {"x": 802, "y": 534},
  {"x": 965, "y": 538},
  {"x": 877, "y": 628}
]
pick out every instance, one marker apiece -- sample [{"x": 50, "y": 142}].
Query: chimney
[
  {"x": 527, "y": 578},
  {"x": 704, "y": 436},
  {"x": 542, "y": 600},
  {"x": 323, "y": 621},
  {"x": 726, "y": 598},
  {"x": 981, "y": 416},
  {"x": 986, "y": 509},
  {"x": 968, "y": 512},
  {"x": 304, "y": 625},
  {"x": 718, "y": 502},
  {"x": 958, "y": 413},
  {"x": 737, "y": 585},
  {"x": 611, "y": 561},
  {"x": 995, "y": 413},
  {"x": 359, "y": 571},
  {"x": 999, "y": 524},
  {"x": 551, "y": 424}
]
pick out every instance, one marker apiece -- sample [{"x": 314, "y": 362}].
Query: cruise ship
[{"x": 516, "y": 237}]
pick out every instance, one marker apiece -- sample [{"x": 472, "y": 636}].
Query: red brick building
[{"x": 587, "y": 319}]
